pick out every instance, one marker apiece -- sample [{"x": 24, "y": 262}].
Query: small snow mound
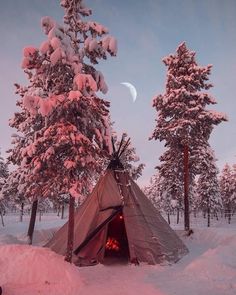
[
  {"x": 35, "y": 270},
  {"x": 212, "y": 236},
  {"x": 217, "y": 259}
]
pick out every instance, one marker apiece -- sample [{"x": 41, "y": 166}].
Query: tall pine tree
[
  {"x": 4, "y": 172},
  {"x": 227, "y": 190},
  {"x": 63, "y": 121},
  {"x": 183, "y": 121},
  {"x": 208, "y": 191}
]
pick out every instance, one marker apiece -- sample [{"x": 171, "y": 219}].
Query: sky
[{"x": 146, "y": 31}]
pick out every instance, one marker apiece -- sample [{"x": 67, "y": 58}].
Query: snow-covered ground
[{"x": 209, "y": 268}]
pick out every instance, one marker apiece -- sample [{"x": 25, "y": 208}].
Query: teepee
[{"x": 118, "y": 220}]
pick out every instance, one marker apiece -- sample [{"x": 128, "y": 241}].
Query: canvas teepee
[{"x": 118, "y": 220}]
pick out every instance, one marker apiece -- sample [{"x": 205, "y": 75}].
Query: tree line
[{"x": 213, "y": 198}]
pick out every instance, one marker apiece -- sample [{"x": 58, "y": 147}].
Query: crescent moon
[{"x": 132, "y": 90}]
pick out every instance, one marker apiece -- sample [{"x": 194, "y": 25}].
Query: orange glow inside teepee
[{"x": 112, "y": 244}]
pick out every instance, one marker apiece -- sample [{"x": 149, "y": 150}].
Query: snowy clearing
[{"x": 209, "y": 268}]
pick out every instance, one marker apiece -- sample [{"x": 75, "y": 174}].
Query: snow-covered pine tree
[
  {"x": 154, "y": 192},
  {"x": 63, "y": 121},
  {"x": 62, "y": 201},
  {"x": 227, "y": 190},
  {"x": 13, "y": 193},
  {"x": 234, "y": 185},
  {"x": 208, "y": 187},
  {"x": 171, "y": 175},
  {"x": 44, "y": 206},
  {"x": 4, "y": 172},
  {"x": 183, "y": 121}
]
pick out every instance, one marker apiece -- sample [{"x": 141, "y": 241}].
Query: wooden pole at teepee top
[
  {"x": 121, "y": 145},
  {"x": 113, "y": 144},
  {"x": 186, "y": 188},
  {"x": 124, "y": 147},
  {"x": 70, "y": 237}
]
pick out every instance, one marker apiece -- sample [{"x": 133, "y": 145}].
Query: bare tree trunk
[
  {"x": 62, "y": 210},
  {"x": 70, "y": 238},
  {"x": 32, "y": 221},
  {"x": 177, "y": 221},
  {"x": 40, "y": 215},
  {"x": 229, "y": 214},
  {"x": 168, "y": 217},
  {"x": 2, "y": 218},
  {"x": 186, "y": 188},
  {"x": 21, "y": 212},
  {"x": 208, "y": 216},
  {"x": 58, "y": 210}
]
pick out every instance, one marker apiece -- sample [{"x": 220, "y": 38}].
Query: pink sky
[{"x": 146, "y": 32}]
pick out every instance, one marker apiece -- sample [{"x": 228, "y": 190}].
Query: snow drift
[
  {"x": 209, "y": 268},
  {"x": 33, "y": 270}
]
